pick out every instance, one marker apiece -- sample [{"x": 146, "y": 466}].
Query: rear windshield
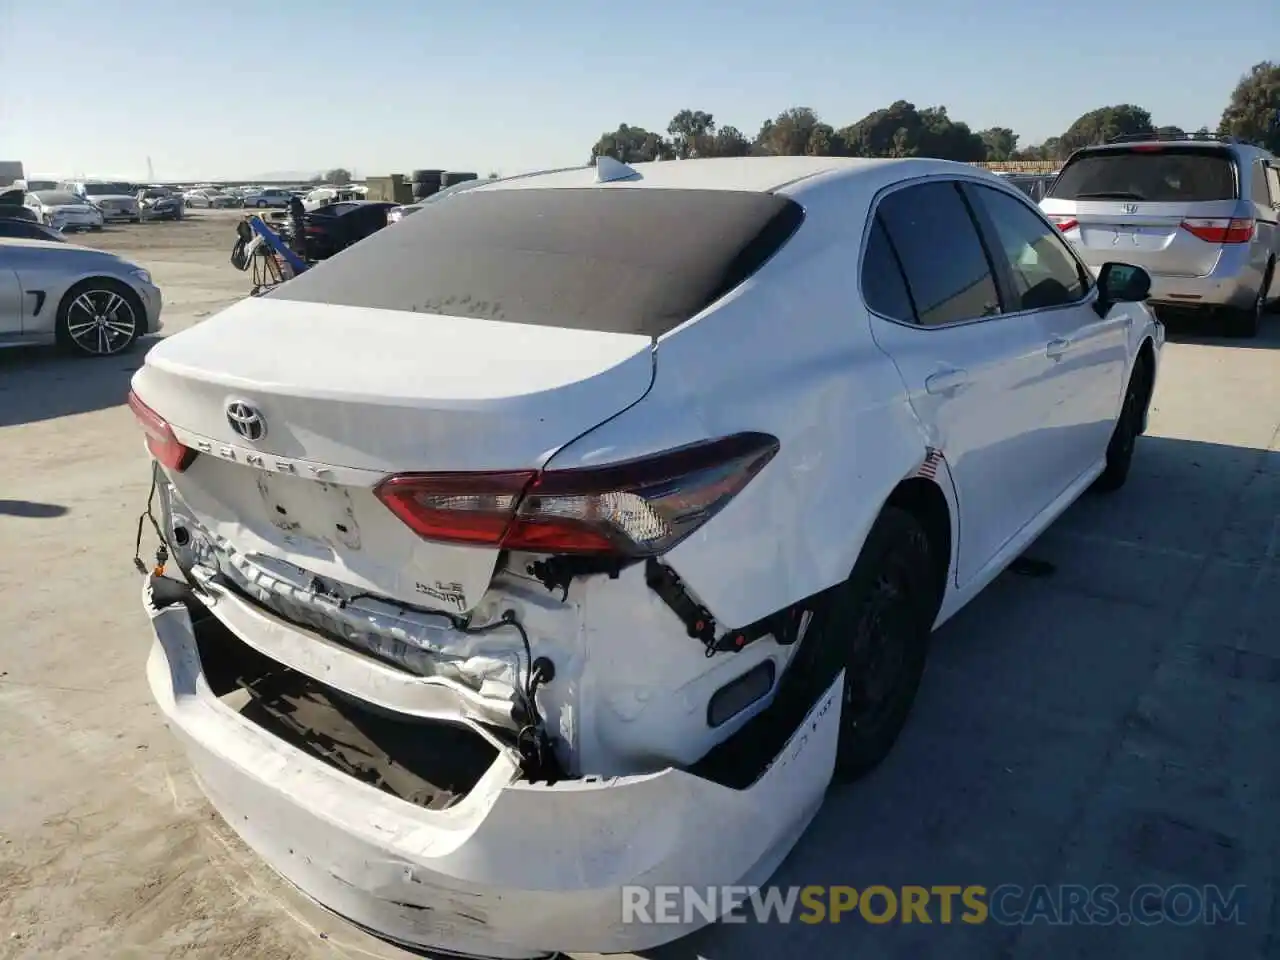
[
  {"x": 105, "y": 189},
  {"x": 1164, "y": 175},
  {"x": 621, "y": 260}
]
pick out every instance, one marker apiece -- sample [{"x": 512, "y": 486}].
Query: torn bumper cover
[{"x": 513, "y": 869}]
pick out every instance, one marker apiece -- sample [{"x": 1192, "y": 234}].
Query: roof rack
[{"x": 1141, "y": 137}]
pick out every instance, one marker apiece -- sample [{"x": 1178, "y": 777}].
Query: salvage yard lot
[{"x": 1112, "y": 722}]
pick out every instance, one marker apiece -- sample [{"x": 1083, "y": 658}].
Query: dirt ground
[{"x": 1114, "y": 722}]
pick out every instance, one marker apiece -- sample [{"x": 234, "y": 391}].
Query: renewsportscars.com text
[{"x": 1008, "y": 904}]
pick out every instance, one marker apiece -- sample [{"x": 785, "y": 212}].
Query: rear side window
[
  {"x": 615, "y": 259},
  {"x": 884, "y": 288},
  {"x": 1155, "y": 175},
  {"x": 942, "y": 256}
]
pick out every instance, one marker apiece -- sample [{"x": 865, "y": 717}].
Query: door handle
[
  {"x": 1057, "y": 347},
  {"x": 946, "y": 381}
]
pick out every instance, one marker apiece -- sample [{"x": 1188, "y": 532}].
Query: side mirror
[{"x": 1121, "y": 283}]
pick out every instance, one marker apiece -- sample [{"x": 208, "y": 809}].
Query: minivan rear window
[
  {"x": 615, "y": 259},
  {"x": 1160, "y": 175}
]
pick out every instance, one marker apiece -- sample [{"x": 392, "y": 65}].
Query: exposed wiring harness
[{"x": 532, "y": 740}]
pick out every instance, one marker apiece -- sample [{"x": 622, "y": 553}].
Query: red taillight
[
  {"x": 1065, "y": 223},
  {"x": 162, "y": 443},
  {"x": 1147, "y": 148},
  {"x": 636, "y": 508},
  {"x": 1236, "y": 230}
]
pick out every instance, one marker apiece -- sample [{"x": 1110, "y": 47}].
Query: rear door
[
  {"x": 977, "y": 378},
  {"x": 1161, "y": 206},
  {"x": 1087, "y": 352}
]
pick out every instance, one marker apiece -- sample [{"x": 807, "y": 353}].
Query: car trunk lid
[{"x": 298, "y": 410}]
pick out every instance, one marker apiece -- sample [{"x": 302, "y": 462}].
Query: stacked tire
[
  {"x": 449, "y": 179},
  {"x": 426, "y": 182}
]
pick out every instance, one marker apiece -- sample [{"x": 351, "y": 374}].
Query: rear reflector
[
  {"x": 1220, "y": 230},
  {"x": 1065, "y": 223},
  {"x": 636, "y": 508},
  {"x": 162, "y": 443}
]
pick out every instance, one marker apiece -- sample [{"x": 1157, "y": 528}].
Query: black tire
[
  {"x": 109, "y": 338},
  {"x": 876, "y": 627},
  {"x": 1124, "y": 438},
  {"x": 135, "y": 219},
  {"x": 449, "y": 179},
  {"x": 97, "y": 229},
  {"x": 1245, "y": 322}
]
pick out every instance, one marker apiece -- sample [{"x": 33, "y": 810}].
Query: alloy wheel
[{"x": 101, "y": 322}]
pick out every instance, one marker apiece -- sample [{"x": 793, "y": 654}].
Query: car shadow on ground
[
  {"x": 30, "y": 509},
  {"x": 43, "y": 383},
  {"x": 1098, "y": 722},
  {"x": 1187, "y": 327}
]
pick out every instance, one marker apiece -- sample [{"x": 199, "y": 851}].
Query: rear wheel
[
  {"x": 1246, "y": 322},
  {"x": 1124, "y": 438},
  {"x": 876, "y": 628},
  {"x": 99, "y": 318}
]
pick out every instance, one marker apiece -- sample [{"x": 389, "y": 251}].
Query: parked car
[
  {"x": 268, "y": 197},
  {"x": 1198, "y": 212},
  {"x": 34, "y": 185},
  {"x": 620, "y": 515},
  {"x": 336, "y": 226},
  {"x": 116, "y": 200},
  {"x": 211, "y": 198},
  {"x": 16, "y": 229},
  {"x": 324, "y": 196},
  {"x": 90, "y": 302},
  {"x": 160, "y": 203},
  {"x": 13, "y": 206},
  {"x": 64, "y": 211},
  {"x": 1034, "y": 185}
]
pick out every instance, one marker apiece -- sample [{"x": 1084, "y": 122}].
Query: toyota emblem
[{"x": 246, "y": 421}]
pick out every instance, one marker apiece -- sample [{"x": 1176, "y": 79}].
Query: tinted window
[
  {"x": 1156, "y": 174},
  {"x": 26, "y": 230},
  {"x": 883, "y": 286},
  {"x": 941, "y": 254},
  {"x": 1044, "y": 272},
  {"x": 614, "y": 259},
  {"x": 1258, "y": 188},
  {"x": 55, "y": 197},
  {"x": 1273, "y": 184},
  {"x": 106, "y": 189}
]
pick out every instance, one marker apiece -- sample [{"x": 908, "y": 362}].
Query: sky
[{"x": 232, "y": 89}]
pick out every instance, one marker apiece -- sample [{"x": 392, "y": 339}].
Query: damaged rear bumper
[{"x": 512, "y": 869}]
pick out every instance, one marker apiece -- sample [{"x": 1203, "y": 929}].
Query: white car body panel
[
  {"x": 1009, "y": 445},
  {"x": 554, "y": 859}
]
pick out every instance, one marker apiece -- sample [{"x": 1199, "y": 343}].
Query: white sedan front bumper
[{"x": 514, "y": 869}]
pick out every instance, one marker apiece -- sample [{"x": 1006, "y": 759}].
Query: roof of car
[
  {"x": 756, "y": 174},
  {"x": 39, "y": 244}
]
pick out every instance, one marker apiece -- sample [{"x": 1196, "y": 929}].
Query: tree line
[{"x": 1252, "y": 114}]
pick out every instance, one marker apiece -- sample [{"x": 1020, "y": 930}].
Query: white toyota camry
[{"x": 577, "y": 534}]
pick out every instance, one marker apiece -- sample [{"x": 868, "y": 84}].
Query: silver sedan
[{"x": 90, "y": 302}]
